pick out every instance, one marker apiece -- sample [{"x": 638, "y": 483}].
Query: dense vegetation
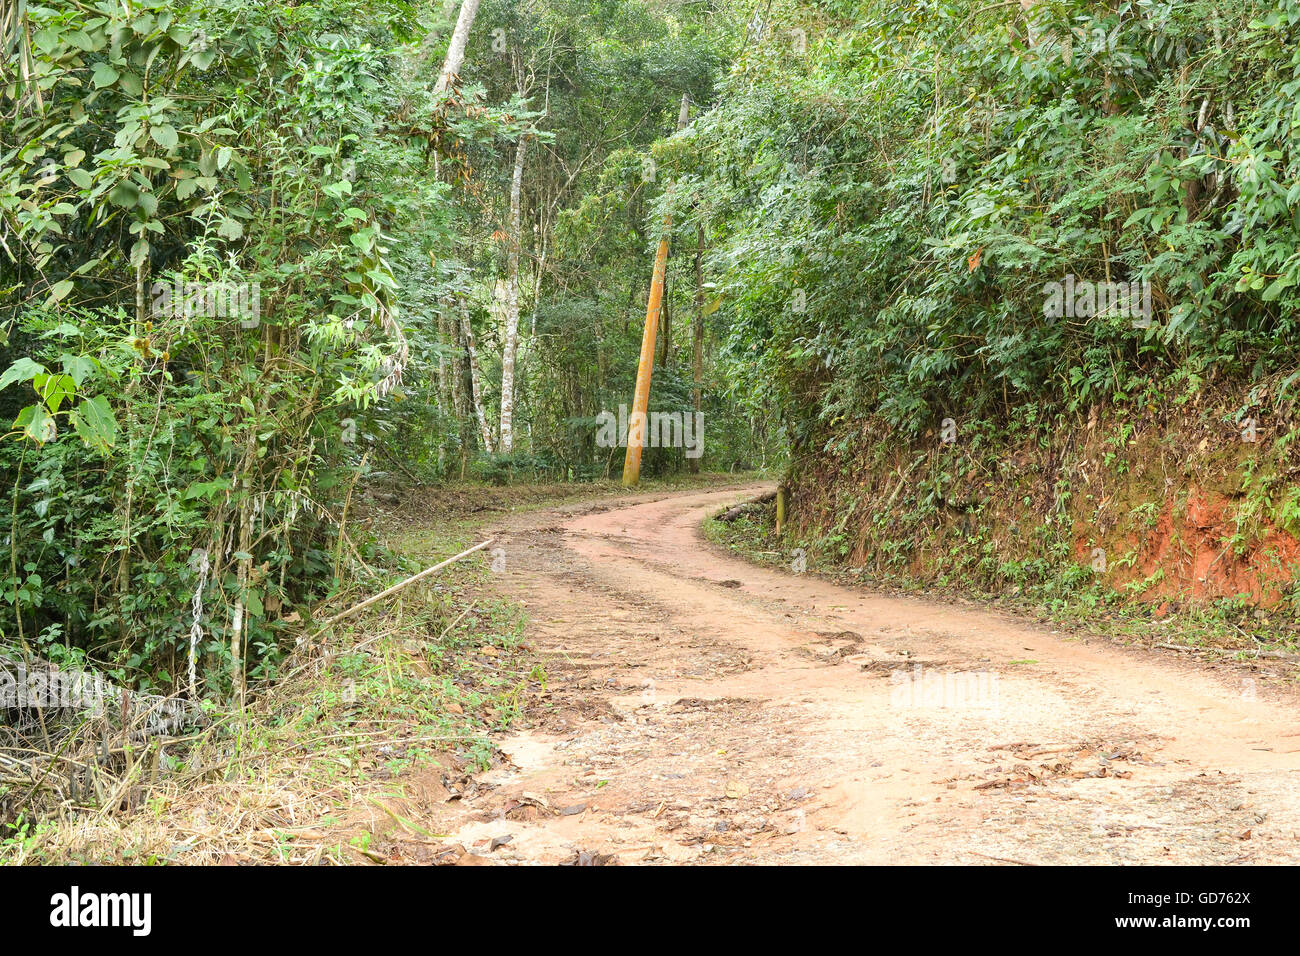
[
  {"x": 258, "y": 257},
  {"x": 902, "y": 204},
  {"x": 928, "y": 168},
  {"x": 427, "y": 282}
]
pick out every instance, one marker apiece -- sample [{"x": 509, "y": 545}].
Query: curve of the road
[{"x": 703, "y": 709}]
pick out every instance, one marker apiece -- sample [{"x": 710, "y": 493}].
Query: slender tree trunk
[
  {"x": 462, "y": 383},
  {"x": 666, "y": 328},
  {"x": 456, "y": 49},
  {"x": 602, "y": 358},
  {"x": 450, "y": 72},
  {"x": 1032, "y": 31},
  {"x": 698, "y": 333},
  {"x": 475, "y": 378},
  {"x": 457, "y": 371},
  {"x": 444, "y": 386},
  {"x": 511, "y": 348},
  {"x": 243, "y": 575}
]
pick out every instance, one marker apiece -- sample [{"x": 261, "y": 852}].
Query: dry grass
[{"x": 314, "y": 770}]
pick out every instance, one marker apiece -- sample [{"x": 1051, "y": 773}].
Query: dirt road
[{"x": 702, "y": 709}]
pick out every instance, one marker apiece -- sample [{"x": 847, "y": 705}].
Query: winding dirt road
[{"x": 706, "y": 710}]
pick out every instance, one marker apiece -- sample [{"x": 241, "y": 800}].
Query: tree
[
  {"x": 471, "y": 359},
  {"x": 697, "y": 335},
  {"x": 456, "y": 48},
  {"x": 510, "y": 347}
]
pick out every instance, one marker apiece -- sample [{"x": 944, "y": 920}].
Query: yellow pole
[{"x": 636, "y": 429}]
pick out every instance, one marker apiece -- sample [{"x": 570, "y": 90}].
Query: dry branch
[
  {"x": 398, "y": 587},
  {"x": 731, "y": 514}
]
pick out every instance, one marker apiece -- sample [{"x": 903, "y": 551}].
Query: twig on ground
[{"x": 398, "y": 587}]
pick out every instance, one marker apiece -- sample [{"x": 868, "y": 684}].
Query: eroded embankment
[{"x": 1192, "y": 508}]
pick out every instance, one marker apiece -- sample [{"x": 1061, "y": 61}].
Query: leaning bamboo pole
[{"x": 636, "y": 429}]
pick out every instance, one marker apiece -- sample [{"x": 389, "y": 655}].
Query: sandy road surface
[{"x": 702, "y": 709}]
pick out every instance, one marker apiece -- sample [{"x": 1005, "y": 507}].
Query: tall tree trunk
[
  {"x": 457, "y": 371},
  {"x": 471, "y": 352},
  {"x": 444, "y": 386},
  {"x": 665, "y": 311},
  {"x": 698, "y": 332},
  {"x": 456, "y": 49},
  {"x": 511, "y": 347},
  {"x": 461, "y": 389}
]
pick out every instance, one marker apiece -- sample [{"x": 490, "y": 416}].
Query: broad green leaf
[
  {"x": 95, "y": 424},
  {"x": 1276, "y": 288},
  {"x": 104, "y": 75},
  {"x": 22, "y": 370},
  {"x": 125, "y": 194},
  {"x": 165, "y": 136},
  {"x": 230, "y": 228},
  {"x": 54, "y": 389},
  {"x": 36, "y": 423},
  {"x": 79, "y": 367}
]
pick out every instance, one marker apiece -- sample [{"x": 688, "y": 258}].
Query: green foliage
[
  {"x": 892, "y": 205},
  {"x": 240, "y": 247},
  {"x": 162, "y": 160}
]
